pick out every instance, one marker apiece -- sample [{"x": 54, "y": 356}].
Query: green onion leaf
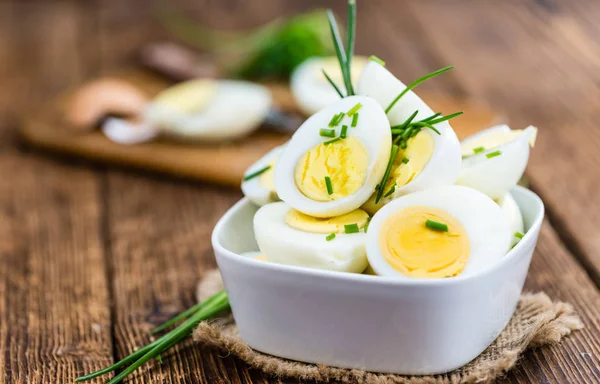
[
  {"x": 405, "y": 160},
  {"x": 416, "y": 83},
  {"x": 327, "y": 132},
  {"x": 390, "y": 191},
  {"x": 344, "y": 131},
  {"x": 377, "y": 60},
  {"x": 351, "y": 228},
  {"x": 478, "y": 149},
  {"x": 257, "y": 173},
  {"x": 354, "y": 109},
  {"x": 388, "y": 169},
  {"x": 328, "y": 185},
  {"x": 354, "y": 120},
  {"x": 332, "y": 141},
  {"x": 493, "y": 154},
  {"x": 332, "y": 84},
  {"x": 519, "y": 235},
  {"x": 436, "y": 226},
  {"x": 330, "y": 237}
]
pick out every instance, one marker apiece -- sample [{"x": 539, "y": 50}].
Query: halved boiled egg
[
  {"x": 336, "y": 158},
  {"x": 310, "y": 87},
  {"x": 494, "y": 159},
  {"x": 429, "y": 159},
  {"x": 436, "y": 233},
  {"x": 513, "y": 215},
  {"x": 287, "y": 236},
  {"x": 210, "y": 109},
  {"x": 258, "y": 184}
]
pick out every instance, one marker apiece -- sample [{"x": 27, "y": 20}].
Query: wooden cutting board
[{"x": 223, "y": 163}]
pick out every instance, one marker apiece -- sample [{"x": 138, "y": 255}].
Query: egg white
[
  {"x": 124, "y": 132},
  {"x": 253, "y": 189},
  {"x": 513, "y": 215},
  {"x": 310, "y": 88},
  {"x": 234, "y": 110},
  {"x": 372, "y": 130},
  {"x": 485, "y": 224},
  {"x": 283, "y": 244},
  {"x": 497, "y": 175},
  {"x": 444, "y": 165}
]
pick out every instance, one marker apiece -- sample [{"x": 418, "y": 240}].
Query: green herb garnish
[
  {"x": 403, "y": 144},
  {"x": 327, "y": 132},
  {"x": 339, "y": 46},
  {"x": 519, "y": 235},
  {"x": 405, "y": 160},
  {"x": 344, "y": 131},
  {"x": 436, "y": 226},
  {"x": 493, "y": 154},
  {"x": 354, "y": 109},
  {"x": 377, "y": 60},
  {"x": 478, "y": 149},
  {"x": 354, "y": 120},
  {"x": 351, "y": 228},
  {"x": 390, "y": 191},
  {"x": 415, "y": 84},
  {"x": 366, "y": 227},
  {"x": 388, "y": 169},
  {"x": 330, "y": 237},
  {"x": 332, "y": 141},
  {"x": 257, "y": 173},
  {"x": 332, "y": 83},
  {"x": 328, "y": 185},
  {"x": 335, "y": 119}
]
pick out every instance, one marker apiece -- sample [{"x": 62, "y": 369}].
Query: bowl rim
[{"x": 515, "y": 252}]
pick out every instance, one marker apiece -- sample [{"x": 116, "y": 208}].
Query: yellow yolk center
[
  {"x": 345, "y": 162},
  {"x": 188, "y": 97},
  {"x": 417, "y": 251},
  {"x": 418, "y": 152},
  {"x": 266, "y": 179},
  {"x": 305, "y": 223}
]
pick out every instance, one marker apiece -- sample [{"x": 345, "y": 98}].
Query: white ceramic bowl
[{"x": 369, "y": 322}]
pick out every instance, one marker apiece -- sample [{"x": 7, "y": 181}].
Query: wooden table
[{"x": 91, "y": 258}]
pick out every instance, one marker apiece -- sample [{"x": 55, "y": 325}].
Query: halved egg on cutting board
[
  {"x": 437, "y": 233},
  {"x": 334, "y": 161},
  {"x": 287, "y": 236},
  {"x": 494, "y": 159}
]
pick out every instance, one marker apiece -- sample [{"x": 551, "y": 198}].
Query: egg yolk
[
  {"x": 188, "y": 97},
  {"x": 266, "y": 179},
  {"x": 417, "y": 251},
  {"x": 345, "y": 162},
  {"x": 494, "y": 139},
  {"x": 305, "y": 223}
]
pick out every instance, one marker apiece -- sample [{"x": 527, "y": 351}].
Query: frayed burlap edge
[{"x": 537, "y": 321}]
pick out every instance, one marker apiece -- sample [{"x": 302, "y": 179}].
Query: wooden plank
[
  {"x": 54, "y": 306},
  {"x": 539, "y": 63}
]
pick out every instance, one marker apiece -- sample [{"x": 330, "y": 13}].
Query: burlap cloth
[{"x": 537, "y": 321}]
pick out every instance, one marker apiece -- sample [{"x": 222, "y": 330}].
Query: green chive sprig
[
  {"x": 332, "y": 83},
  {"x": 519, "y": 235},
  {"x": 327, "y": 132},
  {"x": 351, "y": 228},
  {"x": 377, "y": 60},
  {"x": 354, "y": 120},
  {"x": 366, "y": 227},
  {"x": 332, "y": 141},
  {"x": 390, "y": 191},
  {"x": 405, "y": 160},
  {"x": 493, "y": 154},
  {"x": 257, "y": 173},
  {"x": 354, "y": 109},
  {"x": 436, "y": 226},
  {"x": 478, "y": 149},
  {"x": 415, "y": 83},
  {"x": 330, "y": 237},
  {"x": 339, "y": 46},
  {"x": 344, "y": 131},
  {"x": 328, "y": 185},
  {"x": 388, "y": 169}
]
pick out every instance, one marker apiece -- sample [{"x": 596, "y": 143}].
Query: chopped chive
[
  {"x": 444, "y": 118},
  {"x": 330, "y": 237},
  {"x": 427, "y": 125},
  {"x": 377, "y": 60},
  {"x": 390, "y": 191},
  {"x": 354, "y": 109},
  {"x": 403, "y": 144},
  {"x": 340, "y": 118},
  {"x": 396, "y": 131},
  {"x": 388, "y": 169},
  {"x": 351, "y": 228},
  {"x": 478, "y": 149},
  {"x": 332, "y": 83},
  {"x": 405, "y": 160},
  {"x": 328, "y": 185},
  {"x": 415, "y": 83},
  {"x": 257, "y": 173},
  {"x": 344, "y": 131},
  {"x": 332, "y": 141},
  {"x": 409, "y": 120},
  {"x": 366, "y": 227},
  {"x": 327, "y": 132},
  {"x": 354, "y": 120},
  {"x": 493, "y": 154},
  {"x": 436, "y": 226},
  {"x": 406, "y": 133},
  {"x": 431, "y": 117},
  {"x": 519, "y": 235},
  {"x": 414, "y": 132},
  {"x": 333, "y": 119}
]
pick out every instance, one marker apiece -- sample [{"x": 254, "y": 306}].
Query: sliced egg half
[
  {"x": 260, "y": 189},
  {"x": 513, "y": 215},
  {"x": 437, "y": 233},
  {"x": 429, "y": 159},
  {"x": 311, "y": 89},
  {"x": 211, "y": 110},
  {"x": 494, "y": 159},
  {"x": 326, "y": 176},
  {"x": 287, "y": 236}
]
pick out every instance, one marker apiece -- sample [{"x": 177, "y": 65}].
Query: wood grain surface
[{"x": 91, "y": 258}]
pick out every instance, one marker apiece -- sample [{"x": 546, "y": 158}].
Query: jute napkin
[{"x": 537, "y": 321}]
